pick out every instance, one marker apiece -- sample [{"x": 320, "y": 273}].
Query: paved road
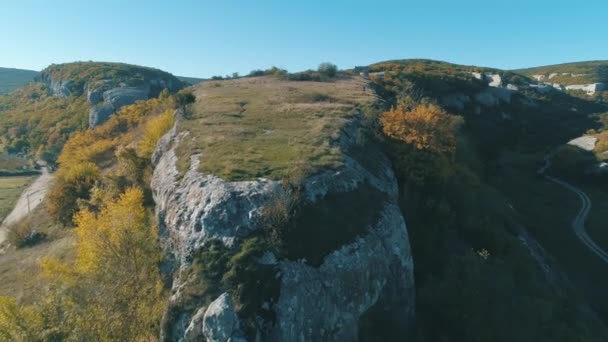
[
  {"x": 30, "y": 198},
  {"x": 578, "y": 223}
]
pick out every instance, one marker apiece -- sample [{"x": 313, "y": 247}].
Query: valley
[{"x": 411, "y": 188}]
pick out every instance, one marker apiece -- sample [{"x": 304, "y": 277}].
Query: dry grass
[
  {"x": 10, "y": 189},
  {"x": 20, "y": 269},
  {"x": 264, "y": 126}
]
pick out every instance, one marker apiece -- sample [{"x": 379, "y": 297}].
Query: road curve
[
  {"x": 30, "y": 198},
  {"x": 578, "y": 223}
]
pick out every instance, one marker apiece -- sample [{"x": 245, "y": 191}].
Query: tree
[
  {"x": 154, "y": 129},
  {"x": 182, "y": 99},
  {"x": 71, "y": 185},
  {"x": 423, "y": 142},
  {"x": 328, "y": 69},
  {"x": 427, "y": 127},
  {"x": 113, "y": 290}
]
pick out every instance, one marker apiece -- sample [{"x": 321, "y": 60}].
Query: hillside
[
  {"x": 38, "y": 118},
  {"x": 242, "y": 199},
  {"x": 11, "y": 79},
  {"x": 190, "y": 80},
  {"x": 571, "y": 73},
  {"x": 583, "y": 79}
]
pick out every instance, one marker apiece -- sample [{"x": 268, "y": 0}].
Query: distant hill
[
  {"x": 11, "y": 79},
  {"x": 190, "y": 80},
  {"x": 40, "y": 116},
  {"x": 570, "y": 73}
]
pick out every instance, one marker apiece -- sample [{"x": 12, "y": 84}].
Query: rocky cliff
[
  {"x": 321, "y": 297},
  {"x": 107, "y": 86}
]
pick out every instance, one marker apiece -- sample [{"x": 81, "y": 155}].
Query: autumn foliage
[
  {"x": 111, "y": 292},
  {"x": 427, "y": 127},
  {"x": 423, "y": 141}
]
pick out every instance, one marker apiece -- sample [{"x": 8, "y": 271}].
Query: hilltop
[
  {"x": 39, "y": 117},
  {"x": 11, "y": 79},
  {"x": 279, "y": 187},
  {"x": 581, "y": 78},
  {"x": 571, "y": 73}
]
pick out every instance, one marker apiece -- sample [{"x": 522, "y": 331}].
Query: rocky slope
[
  {"x": 107, "y": 86},
  {"x": 322, "y": 297}
]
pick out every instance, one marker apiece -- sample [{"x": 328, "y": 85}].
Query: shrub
[
  {"x": 154, "y": 129},
  {"x": 327, "y": 69},
  {"x": 184, "y": 98},
  {"x": 22, "y": 234},
  {"x": 72, "y": 184}
]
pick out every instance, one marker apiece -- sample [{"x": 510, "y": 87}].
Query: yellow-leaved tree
[
  {"x": 424, "y": 141},
  {"x": 113, "y": 290},
  {"x": 154, "y": 129}
]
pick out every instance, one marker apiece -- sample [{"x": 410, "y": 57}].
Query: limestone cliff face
[
  {"x": 316, "y": 303},
  {"x": 107, "y": 96}
]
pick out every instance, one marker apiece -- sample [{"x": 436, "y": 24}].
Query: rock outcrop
[
  {"x": 107, "y": 95},
  {"x": 373, "y": 270}
]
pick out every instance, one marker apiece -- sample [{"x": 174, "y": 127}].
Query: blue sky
[{"x": 204, "y": 38}]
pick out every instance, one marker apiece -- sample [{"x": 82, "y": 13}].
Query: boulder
[
  {"x": 586, "y": 143},
  {"x": 590, "y": 89},
  {"x": 99, "y": 114},
  {"x": 495, "y": 80},
  {"x": 119, "y": 97},
  {"x": 220, "y": 322}
]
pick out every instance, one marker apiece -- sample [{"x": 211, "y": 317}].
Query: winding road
[
  {"x": 30, "y": 198},
  {"x": 578, "y": 224}
]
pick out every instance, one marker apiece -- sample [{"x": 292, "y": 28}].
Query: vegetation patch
[
  {"x": 34, "y": 122},
  {"x": 88, "y": 72},
  {"x": 253, "y": 286},
  {"x": 264, "y": 126},
  {"x": 10, "y": 190},
  {"x": 322, "y": 227}
]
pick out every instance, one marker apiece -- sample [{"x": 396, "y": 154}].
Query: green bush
[{"x": 328, "y": 69}]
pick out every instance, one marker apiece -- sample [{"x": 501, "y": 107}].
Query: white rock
[
  {"x": 590, "y": 89},
  {"x": 495, "y": 80},
  {"x": 478, "y": 75},
  {"x": 586, "y": 143},
  {"x": 220, "y": 322}
]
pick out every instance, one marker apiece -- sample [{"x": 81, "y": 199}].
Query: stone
[
  {"x": 590, "y": 89},
  {"x": 194, "y": 332},
  {"x": 512, "y": 87},
  {"x": 586, "y": 143},
  {"x": 495, "y": 80},
  {"x": 220, "y": 322},
  {"x": 119, "y": 97},
  {"x": 99, "y": 114}
]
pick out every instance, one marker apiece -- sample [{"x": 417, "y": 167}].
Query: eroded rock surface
[{"x": 375, "y": 268}]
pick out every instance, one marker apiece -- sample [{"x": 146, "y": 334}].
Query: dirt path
[
  {"x": 30, "y": 198},
  {"x": 578, "y": 223}
]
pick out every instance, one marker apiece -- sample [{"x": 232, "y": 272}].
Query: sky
[{"x": 205, "y": 38}]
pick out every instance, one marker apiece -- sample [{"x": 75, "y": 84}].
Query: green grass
[
  {"x": 10, "y": 189},
  {"x": 265, "y": 127}
]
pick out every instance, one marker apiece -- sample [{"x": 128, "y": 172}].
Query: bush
[
  {"x": 71, "y": 186},
  {"x": 22, "y": 234},
  {"x": 184, "y": 98},
  {"x": 154, "y": 129},
  {"x": 328, "y": 69}
]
